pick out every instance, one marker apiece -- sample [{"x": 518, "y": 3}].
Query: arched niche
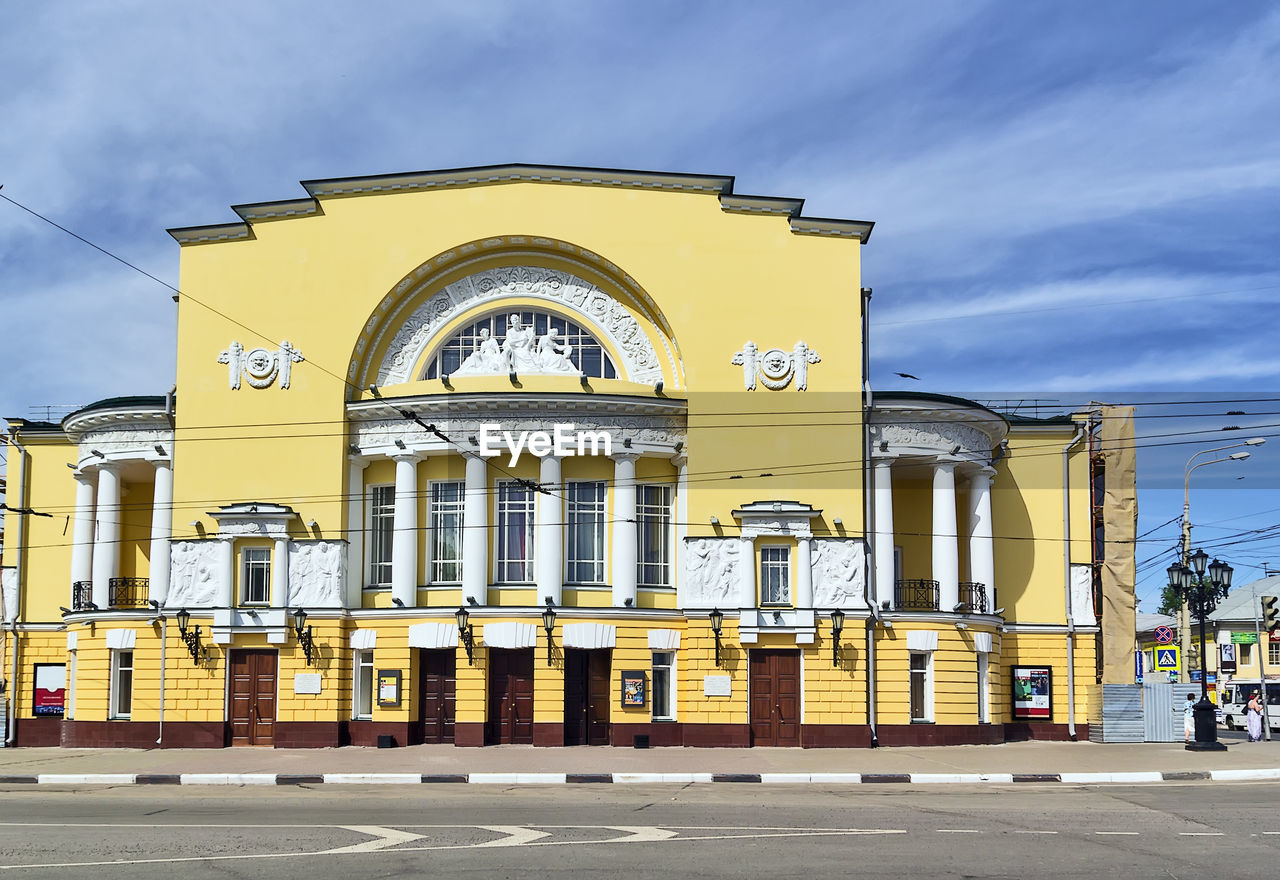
[{"x": 408, "y": 323}]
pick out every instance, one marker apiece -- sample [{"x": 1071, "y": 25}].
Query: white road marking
[
  {"x": 640, "y": 833},
  {"x": 385, "y": 837},
  {"x": 957, "y": 831},
  {"x": 1201, "y": 834},
  {"x": 1117, "y": 833},
  {"x": 516, "y": 835},
  {"x": 1035, "y": 832}
]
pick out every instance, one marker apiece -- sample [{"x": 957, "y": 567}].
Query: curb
[{"x": 636, "y": 778}]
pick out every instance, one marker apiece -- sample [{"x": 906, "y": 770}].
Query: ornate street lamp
[
  {"x": 190, "y": 637},
  {"x": 465, "y": 634},
  {"x": 1202, "y": 585},
  {"x": 837, "y": 626},
  {"x": 305, "y": 640},
  {"x": 549, "y": 624},
  {"x": 717, "y": 621}
]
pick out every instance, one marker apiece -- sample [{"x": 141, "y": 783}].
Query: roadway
[{"x": 743, "y": 831}]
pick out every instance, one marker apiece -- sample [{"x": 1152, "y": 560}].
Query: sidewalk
[{"x": 1082, "y": 762}]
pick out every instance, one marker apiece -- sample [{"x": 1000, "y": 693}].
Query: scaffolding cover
[{"x": 1120, "y": 528}]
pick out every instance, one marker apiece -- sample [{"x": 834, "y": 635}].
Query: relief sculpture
[
  {"x": 711, "y": 572},
  {"x": 838, "y": 573}
]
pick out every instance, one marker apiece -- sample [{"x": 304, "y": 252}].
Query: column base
[{"x": 1213, "y": 746}]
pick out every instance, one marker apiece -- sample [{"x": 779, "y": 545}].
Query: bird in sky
[{"x": 907, "y": 376}]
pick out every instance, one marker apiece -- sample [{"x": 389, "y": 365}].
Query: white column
[
  {"x": 161, "y": 531},
  {"x": 106, "y": 543},
  {"x": 356, "y": 574},
  {"x": 226, "y": 562},
  {"x": 475, "y": 532},
  {"x": 624, "y": 530},
  {"x": 982, "y": 566},
  {"x": 404, "y": 535},
  {"x": 82, "y": 534},
  {"x": 882, "y": 546},
  {"x": 804, "y": 572},
  {"x": 946, "y": 553},
  {"x": 747, "y": 573},
  {"x": 280, "y": 572},
  {"x": 548, "y": 551},
  {"x": 681, "y": 461}
]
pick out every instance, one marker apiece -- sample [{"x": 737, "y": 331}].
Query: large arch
[{"x": 480, "y": 274}]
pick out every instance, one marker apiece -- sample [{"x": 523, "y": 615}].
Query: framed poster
[
  {"x": 388, "y": 688},
  {"x": 634, "y": 688},
  {"x": 1032, "y": 689},
  {"x": 50, "y": 697},
  {"x": 1227, "y": 663}
]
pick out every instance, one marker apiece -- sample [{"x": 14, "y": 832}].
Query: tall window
[
  {"x": 775, "y": 575},
  {"x": 984, "y": 688},
  {"x": 1246, "y": 655},
  {"x": 515, "y": 533},
  {"x": 70, "y": 713},
  {"x": 921, "y": 683},
  {"x": 1273, "y": 653},
  {"x": 255, "y": 576},
  {"x": 446, "y": 532},
  {"x": 121, "y": 696},
  {"x": 664, "y": 703},
  {"x": 363, "y": 685},
  {"x": 382, "y": 514},
  {"x": 586, "y": 532},
  {"x": 653, "y": 528}
]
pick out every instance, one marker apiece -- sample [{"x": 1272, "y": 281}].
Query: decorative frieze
[
  {"x": 839, "y": 572},
  {"x": 259, "y": 366},
  {"x": 317, "y": 574},
  {"x": 775, "y": 368},
  {"x": 195, "y": 574},
  {"x": 711, "y": 573}
]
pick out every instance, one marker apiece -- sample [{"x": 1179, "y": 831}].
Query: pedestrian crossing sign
[{"x": 1167, "y": 659}]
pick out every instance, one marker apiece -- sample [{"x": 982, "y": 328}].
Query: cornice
[
  {"x": 543, "y": 404},
  {"x": 78, "y": 424},
  {"x": 488, "y": 175}
]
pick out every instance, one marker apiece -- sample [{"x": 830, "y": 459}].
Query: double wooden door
[
  {"x": 775, "y": 698},
  {"x": 510, "y": 717},
  {"x": 253, "y": 698},
  {"x": 437, "y": 695},
  {"x": 586, "y": 697}
]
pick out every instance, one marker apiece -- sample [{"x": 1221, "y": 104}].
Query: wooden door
[
  {"x": 586, "y": 697},
  {"x": 253, "y": 698},
  {"x": 775, "y": 698},
  {"x": 437, "y": 690},
  {"x": 510, "y": 718}
]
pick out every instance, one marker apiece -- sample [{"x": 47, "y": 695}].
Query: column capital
[
  {"x": 945, "y": 464},
  {"x": 624, "y": 456},
  {"x": 680, "y": 459},
  {"x": 159, "y": 463},
  {"x": 413, "y": 455},
  {"x": 984, "y": 472}
]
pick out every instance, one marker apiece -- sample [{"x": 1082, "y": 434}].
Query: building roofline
[{"x": 484, "y": 175}]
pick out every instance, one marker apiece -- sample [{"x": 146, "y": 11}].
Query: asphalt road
[{"x": 729, "y": 830}]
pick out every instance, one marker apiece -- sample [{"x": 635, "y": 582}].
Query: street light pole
[
  {"x": 1201, "y": 586},
  {"x": 1184, "y": 614}
]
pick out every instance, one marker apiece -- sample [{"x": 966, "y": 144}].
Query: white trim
[
  {"x": 664, "y": 640},
  {"x": 364, "y": 639},
  {"x": 433, "y": 635},
  {"x": 121, "y": 639},
  {"x": 589, "y": 635},
  {"x": 922, "y": 640},
  {"x": 509, "y": 634},
  {"x": 928, "y": 685},
  {"x": 113, "y": 691}
]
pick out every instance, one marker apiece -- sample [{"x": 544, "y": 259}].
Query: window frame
[
  {"x": 436, "y": 510},
  {"x": 1273, "y": 653},
  {"x": 663, "y": 515},
  {"x": 984, "y": 687},
  {"x": 376, "y": 512},
  {"x": 781, "y": 566},
  {"x": 500, "y": 558},
  {"x": 117, "y": 688},
  {"x": 669, "y": 668},
  {"x": 597, "y": 511},
  {"x": 248, "y": 565},
  {"x": 925, "y": 677},
  {"x": 362, "y": 692}
]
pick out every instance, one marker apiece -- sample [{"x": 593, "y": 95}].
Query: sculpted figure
[
  {"x": 747, "y": 360},
  {"x": 233, "y": 357},
  {"x": 287, "y": 356},
  {"x": 518, "y": 347},
  {"x": 553, "y": 355},
  {"x": 485, "y": 360}
]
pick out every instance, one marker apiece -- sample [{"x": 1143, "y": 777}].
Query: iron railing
[
  {"x": 915, "y": 595},
  {"x": 129, "y": 592},
  {"x": 973, "y": 596},
  {"x": 81, "y": 595}
]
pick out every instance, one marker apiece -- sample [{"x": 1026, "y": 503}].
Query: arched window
[{"x": 570, "y": 347}]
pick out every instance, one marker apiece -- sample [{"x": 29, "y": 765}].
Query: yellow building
[{"x": 542, "y": 455}]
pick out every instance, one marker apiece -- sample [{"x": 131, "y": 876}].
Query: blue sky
[{"x": 1073, "y": 201}]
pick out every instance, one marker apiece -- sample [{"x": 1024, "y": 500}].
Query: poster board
[{"x": 1032, "y": 693}]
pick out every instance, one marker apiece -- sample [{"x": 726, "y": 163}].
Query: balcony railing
[
  {"x": 81, "y": 595},
  {"x": 973, "y": 596},
  {"x": 129, "y": 592},
  {"x": 915, "y": 595}
]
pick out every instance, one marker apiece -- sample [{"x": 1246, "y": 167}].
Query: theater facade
[{"x": 541, "y": 455}]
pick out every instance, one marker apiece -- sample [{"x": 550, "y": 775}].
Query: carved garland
[
  {"x": 640, "y": 359},
  {"x": 940, "y": 437}
]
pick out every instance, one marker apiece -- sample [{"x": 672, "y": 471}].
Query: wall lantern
[
  {"x": 190, "y": 637},
  {"x": 837, "y": 626},
  {"x": 465, "y": 634},
  {"x": 717, "y": 621},
  {"x": 549, "y": 624},
  {"x": 304, "y": 635}
]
